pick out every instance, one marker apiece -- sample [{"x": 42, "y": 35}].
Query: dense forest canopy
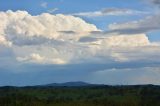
[{"x": 147, "y": 95}]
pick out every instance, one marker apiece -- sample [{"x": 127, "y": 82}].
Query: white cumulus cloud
[{"x": 20, "y": 25}]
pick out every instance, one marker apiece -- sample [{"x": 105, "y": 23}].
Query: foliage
[{"x": 147, "y": 95}]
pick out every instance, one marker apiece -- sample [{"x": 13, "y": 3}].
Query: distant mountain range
[{"x": 71, "y": 84}]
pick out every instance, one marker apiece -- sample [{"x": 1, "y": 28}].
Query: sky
[{"x": 114, "y": 42}]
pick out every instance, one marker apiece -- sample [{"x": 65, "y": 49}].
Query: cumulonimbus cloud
[{"x": 63, "y": 39}]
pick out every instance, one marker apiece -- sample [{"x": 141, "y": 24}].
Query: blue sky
[{"x": 97, "y": 41}]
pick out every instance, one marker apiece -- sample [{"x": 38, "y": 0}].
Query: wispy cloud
[
  {"x": 36, "y": 58},
  {"x": 110, "y": 11},
  {"x": 131, "y": 76},
  {"x": 44, "y": 4},
  {"x": 52, "y": 10}
]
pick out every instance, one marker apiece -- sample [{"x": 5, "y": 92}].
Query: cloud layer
[
  {"x": 155, "y": 2},
  {"x": 145, "y": 25}
]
